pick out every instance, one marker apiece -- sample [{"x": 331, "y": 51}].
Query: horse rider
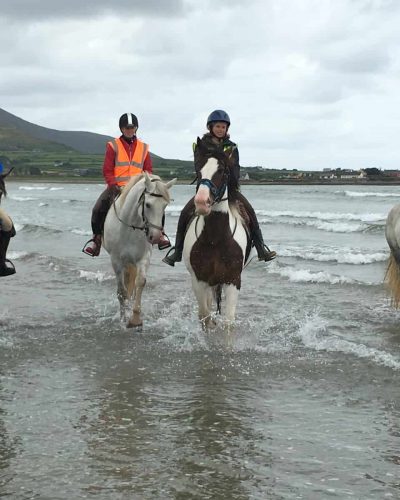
[
  {"x": 7, "y": 231},
  {"x": 125, "y": 157},
  {"x": 218, "y": 139}
]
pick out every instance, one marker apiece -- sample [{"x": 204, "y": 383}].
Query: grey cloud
[{"x": 75, "y": 9}]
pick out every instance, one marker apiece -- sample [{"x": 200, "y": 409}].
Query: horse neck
[{"x": 130, "y": 210}]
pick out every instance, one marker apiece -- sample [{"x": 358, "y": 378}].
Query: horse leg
[
  {"x": 140, "y": 282},
  {"x": 203, "y": 293},
  {"x": 231, "y": 299},
  {"x": 121, "y": 294}
]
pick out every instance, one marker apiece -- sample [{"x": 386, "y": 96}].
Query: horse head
[
  {"x": 3, "y": 190},
  {"x": 154, "y": 200},
  {"x": 214, "y": 177}
]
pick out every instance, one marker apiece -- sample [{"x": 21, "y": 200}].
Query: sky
[{"x": 308, "y": 84}]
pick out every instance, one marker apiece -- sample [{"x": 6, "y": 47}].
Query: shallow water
[{"x": 301, "y": 403}]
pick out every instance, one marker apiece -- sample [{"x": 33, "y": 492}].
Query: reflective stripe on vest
[{"x": 124, "y": 168}]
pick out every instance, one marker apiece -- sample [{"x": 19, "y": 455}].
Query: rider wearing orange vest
[{"x": 125, "y": 157}]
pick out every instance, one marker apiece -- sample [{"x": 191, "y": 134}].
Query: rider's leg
[
  {"x": 99, "y": 214},
  {"x": 7, "y": 231},
  {"x": 184, "y": 218},
  {"x": 263, "y": 252}
]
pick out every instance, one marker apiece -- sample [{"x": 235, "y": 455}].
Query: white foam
[
  {"x": 14, "y": 255},
  {"x": 95, "y": 276},
  {"x": 81, "y": 232},
  {"x": 325, "y": 216},
  {"x": 33, "y": 188},
  {"x": 21, "y": 198},
  {"x": 339, "y": 255},
  {"x": 307, "y": 276},
  {"x": 358, "y": 194},
  {"x": 314, "y": 334}
]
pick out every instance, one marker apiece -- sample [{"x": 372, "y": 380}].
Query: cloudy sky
[{"x": 308, "y": 84}]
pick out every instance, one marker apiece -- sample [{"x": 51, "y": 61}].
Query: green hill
[{"x": 35, "y": 150}]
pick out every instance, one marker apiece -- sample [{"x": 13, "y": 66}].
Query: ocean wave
[
  {"x": 314, "y": 334},
  {"x": 33, "y": 188},
  {"x": 331, "y": 227},
  {"x": 95, "y": 276},
  {"x": 70, "y": 201},
  {"x": 307, "y": 276},
  {"x": 21, "y": 198},
  {"x": 15, "y": 255},
  {"x": 358, "y": 194},
  {"x": 37, "y": 228},
  {"x": 341, "y": 256},
  {"x": 324, "y": 216},
  {"x": 81, "y": 232}
]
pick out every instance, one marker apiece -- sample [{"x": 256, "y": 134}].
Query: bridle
[
  {"x": 216, "y": 192},
  {"x": 146, "y": 223}
]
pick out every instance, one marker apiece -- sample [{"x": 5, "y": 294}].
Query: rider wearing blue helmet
[{"x": 217, "y": 139}]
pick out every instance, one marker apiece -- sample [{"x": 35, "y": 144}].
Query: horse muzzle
[
  {"x": 153, "y": 235},
  {"x": 202, "y": 202}
]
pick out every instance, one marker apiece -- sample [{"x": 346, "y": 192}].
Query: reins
[{"x": 146, "y": 223}]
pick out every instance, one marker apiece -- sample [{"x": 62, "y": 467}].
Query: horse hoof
[{"x": 134, "y": 324}]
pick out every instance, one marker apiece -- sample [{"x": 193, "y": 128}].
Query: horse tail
[
  {"x": 392, "y": 279},
  {"x": 129, "y": 279},
  {"x": 218, "y": 297}
]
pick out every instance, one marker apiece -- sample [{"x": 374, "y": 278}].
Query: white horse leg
[
  {"x": 231, "y": 299},
  {"x": 140, "y": 282},
  {"x": 204, "y": 297},
  {"x": 121, "y": 292}
]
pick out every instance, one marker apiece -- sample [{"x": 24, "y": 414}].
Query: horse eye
[{"x": 148, "y": 205}]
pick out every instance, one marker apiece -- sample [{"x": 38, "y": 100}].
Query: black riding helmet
[
  {"x": 218, "y": 116},
  {"x": 128, "y": 120}
]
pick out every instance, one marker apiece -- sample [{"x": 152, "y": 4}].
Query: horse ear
[
  {"x": 171, "y": 183},
  {"x": 147, "y": 181},
  {"x": 200, "y": 144}
]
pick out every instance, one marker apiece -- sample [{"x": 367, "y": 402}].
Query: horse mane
[{"x": 161, "y": 188}]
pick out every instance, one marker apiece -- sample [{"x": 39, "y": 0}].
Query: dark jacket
[{"x": 212, "y": 146}]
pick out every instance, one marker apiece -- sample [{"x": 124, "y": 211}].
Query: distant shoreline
[{"x": 100, "y": 180}]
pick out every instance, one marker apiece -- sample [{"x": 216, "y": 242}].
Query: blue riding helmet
[
  {"x": 1, "y": 168},
  {"x": 219, "y": 116}
]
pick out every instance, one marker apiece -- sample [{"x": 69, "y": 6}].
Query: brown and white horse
[{"x": 216, "y": 243}]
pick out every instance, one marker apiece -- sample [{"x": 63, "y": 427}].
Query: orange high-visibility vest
[{"x": 126, "y": 168}]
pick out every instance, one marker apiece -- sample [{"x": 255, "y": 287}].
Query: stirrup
[
  {"x": 269, "y": 255},
  {"x": 6, "y": 270},
  {"x": 170, "y": 260},
  {"x": 165, "y": 244},
  {"x": 88, "y": 249}
]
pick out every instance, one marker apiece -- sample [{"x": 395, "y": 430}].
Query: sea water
[{"x": 302, "y": 404}]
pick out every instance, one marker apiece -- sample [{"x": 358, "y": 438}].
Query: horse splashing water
[
  {"x": 132, "y": 226},
  {"x": 217, "y": 244},
  {"x": 392, "y": 276}
]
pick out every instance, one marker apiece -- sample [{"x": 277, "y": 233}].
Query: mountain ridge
[{"x": 80, "y": 141}]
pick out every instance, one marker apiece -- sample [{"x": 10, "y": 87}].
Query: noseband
[{"x": 216, "y": 192}]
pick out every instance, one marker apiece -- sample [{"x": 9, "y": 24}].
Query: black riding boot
[
  {"x": 6, "y": 266},
  {"x": 263, "y": 252},
  {"x": 184, "y": 219},
  {"x": 176, "y": 255}
]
